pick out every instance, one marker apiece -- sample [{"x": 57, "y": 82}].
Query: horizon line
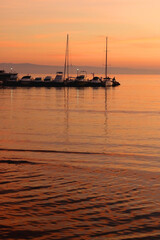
[{"x": 73, "y": 65}]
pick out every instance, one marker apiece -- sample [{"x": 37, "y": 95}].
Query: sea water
[{"x": 81, "y": 163}]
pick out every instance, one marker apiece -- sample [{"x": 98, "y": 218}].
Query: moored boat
[
  {"x": 7, "y": 78},
  {"x": 48, "y": 79},
  {"x": 115, "y": 82},
  {"x": 26, "y": 80},
  {"x": 38, "y": 82},
  {"x": 59, "y": 77},
  {"x": 58, "y": 81},
  {"x": 38, "y": 79},
  {"x": 69, "y": 82},
  {"x": 108, "y": 82},
  {"x": 81, "y": 81},
  {"x": 96, "y": 82}
]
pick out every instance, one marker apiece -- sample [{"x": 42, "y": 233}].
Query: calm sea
[{"x": 81, "y": 163}]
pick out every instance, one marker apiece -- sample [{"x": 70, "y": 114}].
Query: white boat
[
  {"x": 59, "y": 77},
  {"x": 108, "y": 81}
]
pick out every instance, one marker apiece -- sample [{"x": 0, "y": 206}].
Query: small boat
[
  {"x": 38, "y": 82},
  {"x": 115, "y": 82},
  {"x": 58, "y": 81},
  {"x": 26, "y": 80},
  {"x": 80, "y": 81},
  {"x": 38, "y": 79},
  {"x": 96, "y": 82},
  {"x": 80, "y": 78},
  {"x": 48, "y": 79},
  {"x": 107, "y": 81}
]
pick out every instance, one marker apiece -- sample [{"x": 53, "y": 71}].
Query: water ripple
[{"x": 47, "y": 201}]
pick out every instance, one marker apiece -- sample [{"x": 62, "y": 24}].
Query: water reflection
[
  {"x": 66, "y": 115},
  {"x": 83, "y": 119},
  {"x": 83, "y": 116},
  {"x": 105, "y": 116}
]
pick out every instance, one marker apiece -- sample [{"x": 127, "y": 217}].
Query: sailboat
[
  {"x": 96, "y": 81},
  {"x": 60, "y": 78},
  {"x": 107, "y": 80},
  {"x": 68, "y": 81},
  {"x": 66, "y": 62}
]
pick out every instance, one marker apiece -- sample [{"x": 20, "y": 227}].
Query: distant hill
[{"x": 29, "y": 68}]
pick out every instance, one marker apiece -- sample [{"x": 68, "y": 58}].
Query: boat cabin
[{"x": 59, "y": 77}]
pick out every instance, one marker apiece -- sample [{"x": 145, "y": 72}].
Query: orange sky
[{"x": 35, "y": 31}]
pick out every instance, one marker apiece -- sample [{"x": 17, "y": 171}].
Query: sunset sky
[{"x": 34, "y": 31}]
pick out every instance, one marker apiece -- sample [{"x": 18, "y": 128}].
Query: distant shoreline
[{"x": 52, "y": 69}]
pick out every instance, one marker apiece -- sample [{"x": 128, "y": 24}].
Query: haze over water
[{"x": 81, "y": 163}]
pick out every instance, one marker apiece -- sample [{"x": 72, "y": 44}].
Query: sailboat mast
[
  {"x": 67, "y": 55},
  {"x": 106, "y": 58},
  {"x": 66, "y": 63}
]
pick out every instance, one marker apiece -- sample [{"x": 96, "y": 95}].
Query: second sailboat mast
[{"x": 106, "y": 58}]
